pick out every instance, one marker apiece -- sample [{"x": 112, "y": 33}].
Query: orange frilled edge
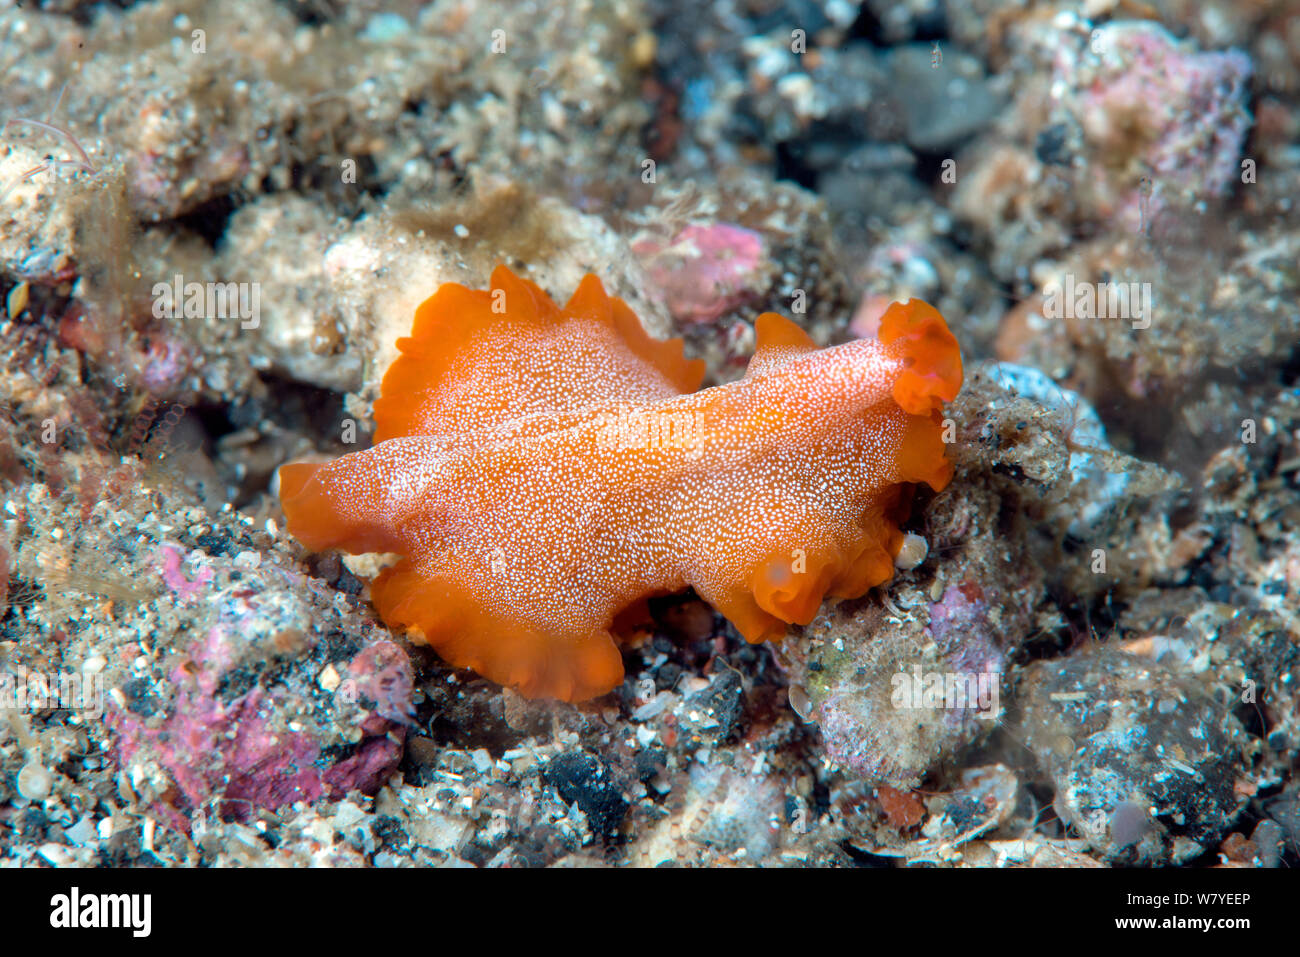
[{"x": 544, "y": 469}]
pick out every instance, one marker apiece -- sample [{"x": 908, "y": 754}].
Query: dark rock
[
  {"x": 584, "y": 779},
  {"x": 724, "y": 700},
  {"x": 1144, "y": 761}
]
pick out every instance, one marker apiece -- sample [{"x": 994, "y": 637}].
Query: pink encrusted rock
[
  {"x": 705, "y": 271},
  {"x": 1162, "y": 122},
  {"x": 175, "y": 579},
  {"x": 866, "y": 318},
  {"x": 968, "y": 640},
  {"x": 382, "y": 675},
  {"x": 272, "y": 744},
  {"x": 869, "y": 695}
]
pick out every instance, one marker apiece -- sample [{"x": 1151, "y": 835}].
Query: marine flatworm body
[{"x": 543, "y": 470}]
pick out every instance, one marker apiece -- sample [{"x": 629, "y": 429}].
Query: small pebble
[
  {"x": 35, "y": 781},
  {"x": 246, "y": 561},
  {"x": 913, "y": 552},
  {"x": 329, "y": 678},
  {"x": 16, "y": 301}
]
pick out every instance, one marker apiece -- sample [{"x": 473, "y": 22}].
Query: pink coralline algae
[
  {"x": 175, "y": 578},
  {"x": 381, "y": 675},
  {"x": 265, "y": 747},
  {"x": 968, "y": 642},
  {"x": 163, "y": 364},
  {"x": 1164, "y": 123},
  {"x": 895, "y": 697},
  {"x": 705, "y": 271}
]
